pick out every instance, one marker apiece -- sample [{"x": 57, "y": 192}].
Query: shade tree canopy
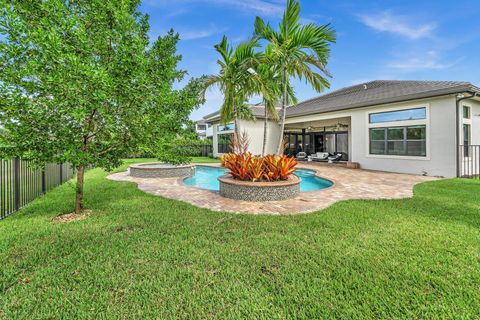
[{"x": 80, "y": 82}]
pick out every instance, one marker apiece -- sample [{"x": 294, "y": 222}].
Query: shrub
[{"x": 244, "y": 166}]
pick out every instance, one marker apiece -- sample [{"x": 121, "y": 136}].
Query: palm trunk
[
  {"x": 79, "y": 189},
  {"x": 284, "y": 112},
  {"x": 235, "y": 121},
  {"x": 265, "y": 124}
]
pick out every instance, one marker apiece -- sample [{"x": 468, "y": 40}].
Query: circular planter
[
  {"x": 259, "y": 191},
  {"x": 160, "y": 170}
]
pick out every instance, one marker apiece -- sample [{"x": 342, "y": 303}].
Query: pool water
[
  {"x": 311, "y": 182},
  {"x": 207, "y": 178}
]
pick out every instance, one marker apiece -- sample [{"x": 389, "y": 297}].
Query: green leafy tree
[
  {"x": 178, "y": 148},
  {"x": 234, "y": 79},
  {"x": 300, "y": 51},
  {"x": 80, "y": 82}
]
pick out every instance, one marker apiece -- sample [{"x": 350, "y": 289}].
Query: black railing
[
  {"x": 205, "y": 150},
  {"x": 20, "y": 184},
  {"x": 469, "y": 161}
]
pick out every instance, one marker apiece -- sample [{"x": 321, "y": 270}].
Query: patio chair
[
  {"x": 301, "y": 156},
  {"x": 337, "y": 156},
  {"x": 320, "y": 156}
]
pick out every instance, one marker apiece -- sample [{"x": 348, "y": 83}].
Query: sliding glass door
[{"x": 313, "y": 142}]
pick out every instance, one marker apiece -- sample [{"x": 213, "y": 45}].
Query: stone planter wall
[
  {"x": 143, "y": 170},
  {"x": 259, "y": 191}
]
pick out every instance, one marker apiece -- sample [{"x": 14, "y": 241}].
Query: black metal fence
[
  {"x": 469, "y": 161},
  {"x": 206, "y": 150},
  {"x": 20, "y": 184}
]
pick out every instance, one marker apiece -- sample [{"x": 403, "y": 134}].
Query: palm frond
[{"x": 290, "y": 20}]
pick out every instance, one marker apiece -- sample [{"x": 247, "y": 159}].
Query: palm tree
[
  {"x": 298, "y": 50},
  {"x": 233, "y": 80}
]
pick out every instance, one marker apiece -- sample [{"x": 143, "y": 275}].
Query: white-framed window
[
  {"x": 399, "y": 132},
  {"x": 398, "y": 115},
  {"x": 399, "y": 141},
  {"x": 225, "y": 127},
  {"x": 466, "y": 112}
]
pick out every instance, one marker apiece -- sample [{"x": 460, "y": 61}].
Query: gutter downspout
[{"x": 457, "y": 127}]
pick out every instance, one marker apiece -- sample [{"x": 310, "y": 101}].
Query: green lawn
[{"x": 141, "y": 256}]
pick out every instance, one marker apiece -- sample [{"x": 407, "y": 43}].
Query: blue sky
[{"x": 409, "y": 39}]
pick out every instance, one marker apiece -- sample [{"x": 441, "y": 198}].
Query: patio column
[{"x": 303, "y": 140}]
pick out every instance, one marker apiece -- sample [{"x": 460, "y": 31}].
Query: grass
[{"x": 141, "y": 256}]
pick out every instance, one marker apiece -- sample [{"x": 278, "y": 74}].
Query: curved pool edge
[
  {"x": 332, "y": 181},
  {"x": 218, "y": 165},
  {"x": 181, "y": 180}
]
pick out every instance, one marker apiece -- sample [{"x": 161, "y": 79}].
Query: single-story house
[{"x": 418, "y": 127}]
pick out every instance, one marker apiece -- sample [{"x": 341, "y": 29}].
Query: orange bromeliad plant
[
  {"x": 238, "y": 164},
  {"x": 256, "y": 169},
  {"x": 244, "y": 166},
  {"x": 286, "y": 167}
]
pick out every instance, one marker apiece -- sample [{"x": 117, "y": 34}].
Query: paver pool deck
[{"x": 348, "y": 184}]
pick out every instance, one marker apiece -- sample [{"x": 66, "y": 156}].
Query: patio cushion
[
  {"x": 321, "y": 155},
  {"x": 301, "y": 155}
]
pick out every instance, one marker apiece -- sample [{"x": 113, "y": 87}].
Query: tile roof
[
  {"x": 258, "y": 110},
  {"x": 378, "y": 92}
]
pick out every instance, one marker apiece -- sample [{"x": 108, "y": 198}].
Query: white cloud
[
  {"x": 267, "y": 7},
  {"x": 429, "y": 61},
  {"x": 387, "y": 22},
  {"x": 192, "y": 34},
  {"x": 196, "y": 34},
  {"x": 257, "y": 6}
]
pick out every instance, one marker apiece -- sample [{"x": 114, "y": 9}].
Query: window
[
  {"x": 400, "y": 115},
  {"x": 330, "y": 143},
  {"x": 398, "y": 141},
  {"x": 466, "y": 139},
  {"x": 466, "y": 112},
  {"x": 224, "y": 143},
  {"x": 466, "y": 134},
  {"x": 201, "y": 127},
  {"x": 227, "y": 127}
]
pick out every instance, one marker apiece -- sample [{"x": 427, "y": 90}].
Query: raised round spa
[{"x": 160, "y": 170}]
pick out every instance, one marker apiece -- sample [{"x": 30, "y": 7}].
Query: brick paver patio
[{"x": 348, "y": 184}]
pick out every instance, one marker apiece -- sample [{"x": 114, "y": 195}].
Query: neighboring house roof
[{"x": 378, "y": 92}]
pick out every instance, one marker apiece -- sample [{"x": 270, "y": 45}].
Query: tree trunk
[
  {"x": 237, "y": 129},
  {"x": 235, "y": 119},
  {"x": 265, "y": 124},
  {"x": 284, "y": 112},
  {"x": 79, "y": 189}
]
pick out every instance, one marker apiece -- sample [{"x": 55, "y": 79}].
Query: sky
[{"x": 383, "y": 39}]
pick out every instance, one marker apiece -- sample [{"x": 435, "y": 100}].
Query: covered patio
[{"x": 330, "y": 135}]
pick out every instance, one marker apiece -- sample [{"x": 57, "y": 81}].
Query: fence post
[
  {"x": 16, "y": 168},
  {"x": 61, "y": 173},
  {"x": 44, "y": 183}
]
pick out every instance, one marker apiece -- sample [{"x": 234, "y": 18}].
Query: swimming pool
[{"x": 207, "y": 178}]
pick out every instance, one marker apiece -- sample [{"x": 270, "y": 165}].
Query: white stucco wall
[
  {"x": 254, "y": 130},
  {"x": 441, "y": 142}
]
